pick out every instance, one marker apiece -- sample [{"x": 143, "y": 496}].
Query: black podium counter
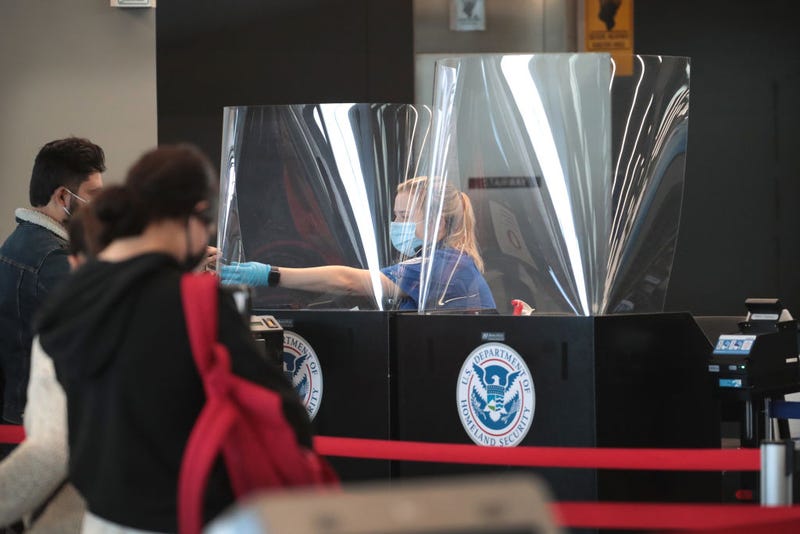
[
  {"x": 439, "y": 397},
  {"x": 654, "y": 390},
  {"x": 608, "y": 381},
  {"x": 611, "y": 381}
]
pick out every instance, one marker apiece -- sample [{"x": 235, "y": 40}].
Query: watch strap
[{"x": 274, "y": 277}]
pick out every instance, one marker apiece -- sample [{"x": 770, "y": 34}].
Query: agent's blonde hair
[{"x": 457, "y": 214}]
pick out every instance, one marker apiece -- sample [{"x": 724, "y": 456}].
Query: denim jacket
[{"x": 33, "y": 260}]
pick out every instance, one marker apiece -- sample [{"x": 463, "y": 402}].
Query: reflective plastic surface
[
  {"x": 314, "y": 185},
  {"x": 528, "y": 138},
  {"x": 650, "y": 129},
  {"x": 575, "y": 176},
  {"x": 541, "y": 178}
]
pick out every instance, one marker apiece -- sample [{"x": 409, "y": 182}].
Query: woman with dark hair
[{"x": 116, "y": 336}]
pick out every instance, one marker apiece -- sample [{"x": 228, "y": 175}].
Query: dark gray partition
[{"x": 653, "y": 389}]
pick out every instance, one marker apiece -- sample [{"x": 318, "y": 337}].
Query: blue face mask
[{"x": 403, "y": 237}]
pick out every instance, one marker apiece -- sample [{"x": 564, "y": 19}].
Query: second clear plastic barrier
[{"x": 575, "y": 176}]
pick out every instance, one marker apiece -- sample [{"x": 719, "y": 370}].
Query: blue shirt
[{"x": 455, "y": 282}]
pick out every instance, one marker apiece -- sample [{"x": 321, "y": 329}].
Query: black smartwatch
[{"x": 274, "y": 277}]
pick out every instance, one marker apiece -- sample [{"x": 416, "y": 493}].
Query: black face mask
[{"x": 193, "y": 259}]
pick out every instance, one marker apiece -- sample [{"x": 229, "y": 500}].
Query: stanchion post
[
  {"x": 769, "y": 434},
  {"x": 777, "y": 468}
]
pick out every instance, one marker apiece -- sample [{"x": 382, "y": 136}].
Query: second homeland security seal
[
  {"x": 496, "y": 397},
  {"x": 301, "y": 366}
]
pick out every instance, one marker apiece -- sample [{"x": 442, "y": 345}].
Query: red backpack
[{"x": 242, "y": 420}]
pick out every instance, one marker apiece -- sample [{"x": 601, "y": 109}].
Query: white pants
[{"x": 93, "y": 524}]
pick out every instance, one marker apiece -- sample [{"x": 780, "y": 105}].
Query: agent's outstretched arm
[{"x": 337, "y": 279}]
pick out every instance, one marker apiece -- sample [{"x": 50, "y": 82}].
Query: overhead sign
[
  {"x": 608, "y": 27},
  {"x": 467, "y": 15}
]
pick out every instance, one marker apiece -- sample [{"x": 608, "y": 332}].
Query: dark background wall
[
  {"x": 212, "y": 54},
  {"x": 740, "y": 229},
  {"x": 740, "y": 225}
]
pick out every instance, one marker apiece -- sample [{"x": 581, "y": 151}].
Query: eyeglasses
[{"x": 204, "y": 216}]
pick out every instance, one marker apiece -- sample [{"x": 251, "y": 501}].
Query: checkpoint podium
[{"x": 606, "y": 381}]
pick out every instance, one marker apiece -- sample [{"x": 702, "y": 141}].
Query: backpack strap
[
  {"x": 241, "y": 420},
  {"x": 199, "y": 298}
]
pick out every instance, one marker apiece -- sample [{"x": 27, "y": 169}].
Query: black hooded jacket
[{"x": 117, "y": 336}]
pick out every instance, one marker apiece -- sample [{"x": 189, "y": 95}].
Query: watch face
[{"x": 274, "y": 276}]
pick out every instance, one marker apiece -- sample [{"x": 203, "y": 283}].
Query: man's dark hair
[{"x": 64, "y": 162}]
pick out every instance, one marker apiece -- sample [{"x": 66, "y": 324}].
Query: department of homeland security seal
[
  {"x": 496, "y": 397},
  {"x": 301, "y": 366}
]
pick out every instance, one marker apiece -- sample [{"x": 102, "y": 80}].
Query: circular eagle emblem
[
  {"x": 496, "y": 397},
  {"x": 301, "y": 366}
]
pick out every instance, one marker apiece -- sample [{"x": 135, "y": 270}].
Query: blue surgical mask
[{"x": 403, "y": 237}]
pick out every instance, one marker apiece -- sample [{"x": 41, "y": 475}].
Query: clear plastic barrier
[
  {"x": 528, "y": 138},
  {"x": 575, "y": 177},
  {"x": 315, "y": 185},
  {"x": 541, "y": 178}
]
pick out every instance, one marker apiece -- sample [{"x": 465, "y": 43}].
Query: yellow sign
[{"x": 608, "y": 27}]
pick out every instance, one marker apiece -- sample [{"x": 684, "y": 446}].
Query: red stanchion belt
[
  {"x": 708, "y": 518},
  {"x": 668, "y": 516},
  {"x": 12, "y": 433},
  {"x": 580, "y": 457}
]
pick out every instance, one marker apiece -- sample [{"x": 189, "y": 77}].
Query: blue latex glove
[{"x": 251, "y": 273}]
